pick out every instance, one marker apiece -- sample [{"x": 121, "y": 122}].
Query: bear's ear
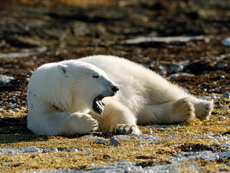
[{"x": 62, "y": 69}]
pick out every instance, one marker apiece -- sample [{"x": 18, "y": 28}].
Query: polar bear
[{"x": 105, "y": 93}]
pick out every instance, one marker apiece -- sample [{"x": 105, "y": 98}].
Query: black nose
[{"x": 114, "y": 88}]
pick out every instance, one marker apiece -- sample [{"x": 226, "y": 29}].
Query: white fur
[
  {"x": 144, "y": 97},
  {"x": 60, "y": 97}
]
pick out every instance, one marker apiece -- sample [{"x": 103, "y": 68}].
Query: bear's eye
[{"x": 95, "y": 76}]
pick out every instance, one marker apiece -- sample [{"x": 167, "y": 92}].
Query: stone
[
  {"x": 85, "y": 149},
  {"x": 225, "y": 95},
  {"x": 224, "y": 154},
  {"x": 5, "y": 80},
  {"x": 172, "y": 132},
  {"x": 226, "y": 41},
  {"x": 177, "y": 67},
  {"x": 31, "y": 149},
  {"x": 99, "y": 141},
  {"x": 222, "y": 118},
  {"x": 74, "y": 150},
  {"x": 114, "y": 142}
]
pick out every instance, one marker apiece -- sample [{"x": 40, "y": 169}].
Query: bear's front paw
[
  {"x": 126, "y": 129},
  {"x": 87, "y": 124}
]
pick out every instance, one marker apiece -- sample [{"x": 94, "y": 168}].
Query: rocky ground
[{"x": 185, "y": 41}]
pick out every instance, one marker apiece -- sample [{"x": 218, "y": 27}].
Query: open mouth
[{"x": 98, "y": 105}]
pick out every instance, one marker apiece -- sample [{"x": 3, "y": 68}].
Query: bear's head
[{"x": 86, "y": 83}]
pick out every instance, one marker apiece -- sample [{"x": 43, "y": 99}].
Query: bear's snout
[{"x": 114, "y": 88}]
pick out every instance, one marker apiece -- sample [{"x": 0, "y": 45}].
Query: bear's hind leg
[
  {"x": 203, "y": 109},
  {"x": 171, "y": 112}
]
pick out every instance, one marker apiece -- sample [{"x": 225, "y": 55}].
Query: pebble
[
  {"x": 182, "y": 39},
  {"x": 222, "y": 118},
  {"x": 225, "y": 95},
  {"x": 214, "y": 82},
  {"x": 226, "y": 144},
  {"x": 176, "y": 75},
  {"x": 32, "y": 149},
  {"x": 8, "y": 160},
  {"x": 226, "y": 108},
  {"x": 85, "y": 149},
  {"x": 89, "y": 136},
  {"x": 74, "y": 150},
  {"x": 50, "y": 149},
  {"x": 163, "y": 68},
  {"x": 205, "y": 89},
  {"x": 4, "y": 79},
  {"x": 163, "y": 73},
  {"x": 11, "y": 151},
  {"x": 114, "y": 142},
  {"x": 177, "y": 67},
  {"x": 226, "y": 41},
  {"x": 224, "y": 154},
  {"x": 99, "y": 141},
  {"x": 216, "y": 143},
  {"x": 222, "y": 76},
  {"x": 213, "y": 97},
  {"x": 153, "y": 142},
  {"x": 221, "y": 65},
  {"x": 124, "y": 137},
  {"x": 172, "y": 132}
]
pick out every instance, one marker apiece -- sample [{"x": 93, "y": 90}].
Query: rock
[
  {"x": 214, "y": 82},
  {"x": 222, "y": 76},
  {"x": 5, "y": 80},
  {"x": 226, "y": 108},
  {"x": 153, "y": 142},
  {"x": 55, "y": 149},
  {"x": 175, "y": 75},
  {"x": 181, "y": 39},
  {"x": 177, "y": 67},
  {"x": 225, "y": 95},
  {"x": 163, "y": 67},
  {"x": 172, "y": 132},
  {"x": 226, "y": 41},
  {"x": 222, "y": 118},
  {"x": 163, "y": 73},
  {"x": 221, "y": 65},
  {"x": 224, "y": 154},
  {"x": 74, "y": 150},
  {"x": 8, "y": 160},
  {"x": 31, "y": 149},
  {"x": 226, "y": 144},
  {"x": 50, "y": 149},
  {"x": 114, "y": 142},
  {"x": 216, "y": 143},
  {"x": 85, "y": 149},
  {"x": 213, "y": 97},
  {"x": 99, "y": 141}
]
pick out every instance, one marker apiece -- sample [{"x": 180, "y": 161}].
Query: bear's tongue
[{"x": 98, "y": 105}]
